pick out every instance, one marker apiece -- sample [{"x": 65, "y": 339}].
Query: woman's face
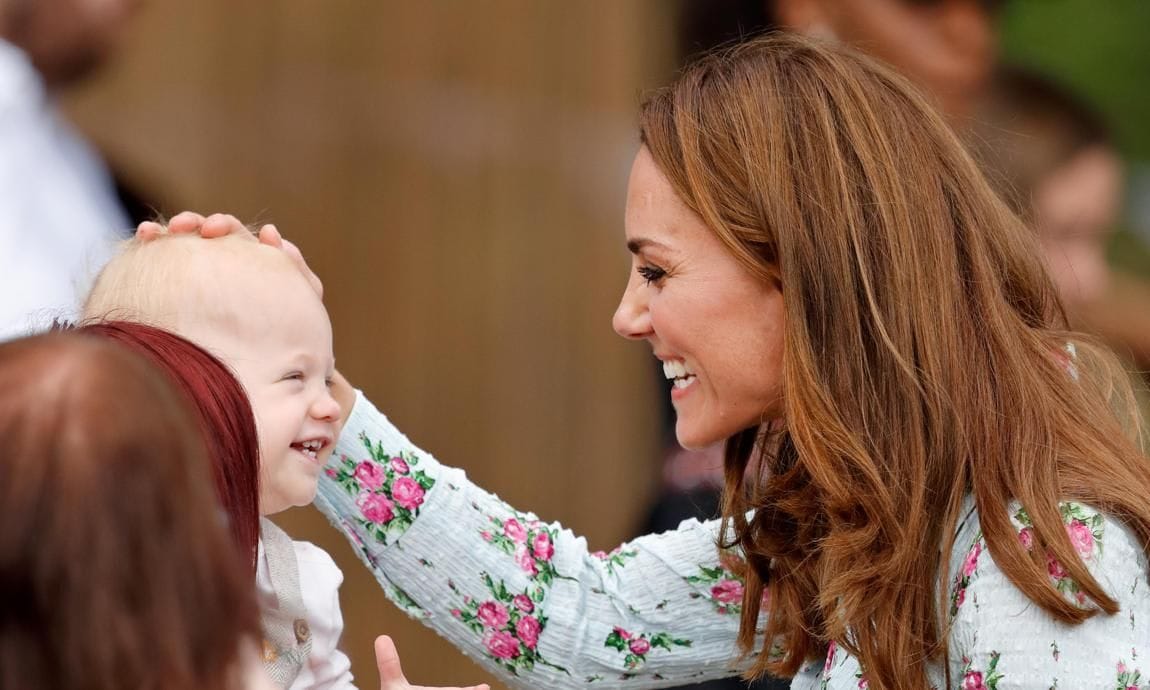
[{"x": 717, "y": 328}]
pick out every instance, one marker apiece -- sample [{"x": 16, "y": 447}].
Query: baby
[{"x": 278, "y": 342}]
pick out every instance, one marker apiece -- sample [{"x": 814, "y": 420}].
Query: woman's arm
[{"x": 525, "y": 597}]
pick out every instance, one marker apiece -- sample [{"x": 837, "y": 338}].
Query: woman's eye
[
  {"x": 293, "y": 376},
  {"x": 652, "y": 274}
]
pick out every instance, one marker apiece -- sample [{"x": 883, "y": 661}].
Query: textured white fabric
[
  {"x": 461, "y": 558},
  {"x": 59, "y": 216},
  {"x": 326, "y": 667}
]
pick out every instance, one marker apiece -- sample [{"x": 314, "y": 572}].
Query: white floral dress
[{"x": 529, "y": 601}]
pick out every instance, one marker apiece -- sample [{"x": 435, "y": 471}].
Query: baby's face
[{"x": 276, "y": 337}]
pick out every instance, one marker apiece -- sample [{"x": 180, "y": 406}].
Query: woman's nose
[{"x": 631, "y": 319}]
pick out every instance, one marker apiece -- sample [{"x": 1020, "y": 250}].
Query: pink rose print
[
  {"x": 1026, "y": 538},
  {"x": 386, "y": 511},
  {"x": 493, "y": 614},
  {"x": 528, "y": 631},
  {"x": 502, "y": 645},
  {"x": 523, "y": 603},
  {"x": 509, "y": 624},
  {"x": 525, "y": 560},
  {"x": 1081, "y": 537},
  {"x": 376, "y": 508},
  {"x": 407, "y": 492},
  {"x": 959, "y": 597},
  {"x": 728, "y": 592},
  {"x": 542, "y": 546},
  {"x": 987, "y": 679},
  {"x": 635, "y": 647},
  {"x": 515, "y": 531},
  {"x": 973, "y": 681},
  {"x": 370, "y": 475},
  {"x": 830, "y": 662},
  {"x": 486, "y": 535},
  {"x": 1056, "y": 570},
  {"x": 971, "y": 562},
  {"x": 601, "y": 555}
]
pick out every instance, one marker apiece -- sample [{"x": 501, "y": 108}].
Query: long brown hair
[
  {"x": 923, "y": 358},
  {"x": 116, "y": 570}
]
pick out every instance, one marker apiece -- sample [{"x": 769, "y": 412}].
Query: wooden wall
[{"x": 455, "y": 171}]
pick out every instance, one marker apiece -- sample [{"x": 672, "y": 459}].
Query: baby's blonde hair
[{"x": 169, "y": 280}]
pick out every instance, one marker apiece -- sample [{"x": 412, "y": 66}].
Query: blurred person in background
[
  {"x": 947, "y": 47},
  {"x": 116, "y": 570},
  {"x": 1058, "y": 169},
  {"x": 60, "y": 208},
  {"x": 1061, "y": 171}
]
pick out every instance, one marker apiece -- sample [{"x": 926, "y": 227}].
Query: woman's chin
[{"x": 695, "y": 439}]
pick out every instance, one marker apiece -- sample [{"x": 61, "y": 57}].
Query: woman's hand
[
  {"x": 222, "y": 224},
  {"x": 391, "y": 675}
]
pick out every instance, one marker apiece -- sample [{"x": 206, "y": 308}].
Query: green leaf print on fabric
[
  {"x": 510, "y": 624},
  {"x": 1085, "y": 529},
  {"x": 635, "y": 648},
  {"x": 724, "y": 586},
  {"x": 530, "y": 542},
  {"x": 965, "y": 575},
  {"x": 616, "y": 558},
  {"x": 973, "y": 679},
  {"x": 388, "y": 489},
  {"x": 1128, "y": 679}
]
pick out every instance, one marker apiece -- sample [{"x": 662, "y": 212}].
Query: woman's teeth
[{"x": 678, "y": 372}]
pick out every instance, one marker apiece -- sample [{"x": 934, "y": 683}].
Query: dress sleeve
[
  {"x": 524, "y": 597},
  {"x": 327, "y": 667},
  {"x": 1001, "y": 640}
]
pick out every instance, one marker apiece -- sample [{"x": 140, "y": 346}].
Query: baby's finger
[{"x": 387, "y": 662}]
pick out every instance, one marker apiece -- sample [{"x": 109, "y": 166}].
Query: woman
[
  {"x": 935, "y": 463},
  {"x": 113, "y": 571}
]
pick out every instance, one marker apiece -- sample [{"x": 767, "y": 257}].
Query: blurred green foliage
[{"x": 1101, "y": 50}]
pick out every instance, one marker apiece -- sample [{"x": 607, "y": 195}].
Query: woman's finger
[
  {"x": 296, "y": 257},
  {"x": 221, "y": 224},
  {"x": 185, "y": 222}
]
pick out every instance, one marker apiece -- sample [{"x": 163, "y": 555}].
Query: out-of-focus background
[{"x": 455, "y": 171}]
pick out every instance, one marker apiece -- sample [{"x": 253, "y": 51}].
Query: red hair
[
  {"x": 113, "y": 572},
  {"x": 225, "y": 417}
]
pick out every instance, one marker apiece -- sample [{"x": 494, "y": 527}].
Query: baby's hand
[
  {"x": 391, "y": 675},
  {"x": 222, "y": 224}
]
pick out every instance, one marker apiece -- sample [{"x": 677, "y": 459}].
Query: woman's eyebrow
[{"x": 637, "y": 244}]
